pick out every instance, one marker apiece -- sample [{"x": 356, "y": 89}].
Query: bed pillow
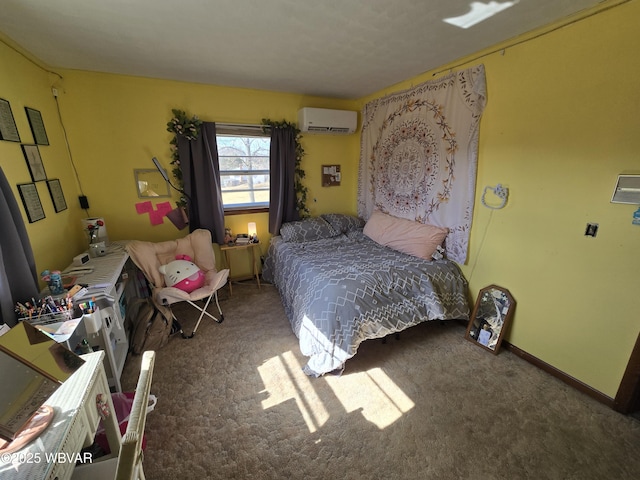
[
  {"x": 343, "y": 223},
  {"x": 307, "y": 230},
  {"x": 414, "y": 238}
]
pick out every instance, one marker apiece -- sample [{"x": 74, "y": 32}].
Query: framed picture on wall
[
  {"x": 34, "y": 162},
  {"x": 331, "y": 176},
  {"x": 37, "y": 126},
  {"x": 8, "y": 129},
  {"x": 57, "y": 195},
  {"x": 31, "y": 201}
]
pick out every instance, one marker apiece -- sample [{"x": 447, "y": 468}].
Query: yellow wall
[
  {"x": 561, "y": 123},
  {"x": 58, "y": 237},
  {"x": 116, "y": 124}
]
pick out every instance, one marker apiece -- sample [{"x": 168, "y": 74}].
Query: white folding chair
[{"x": 149, "y": 256}]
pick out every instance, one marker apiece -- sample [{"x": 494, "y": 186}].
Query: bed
[{"x": 339, "y": 288}]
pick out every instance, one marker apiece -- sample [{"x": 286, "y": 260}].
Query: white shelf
[{"x": 108, "y": 289}]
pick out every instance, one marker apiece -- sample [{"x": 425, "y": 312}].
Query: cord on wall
[
  {"x": 82, "y": 198},
  {"x": 484, "y": 235}
]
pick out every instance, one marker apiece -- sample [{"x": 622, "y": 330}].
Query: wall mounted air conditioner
[
  {"x": 325, "y": 120},
  {"x": 627, "y": 190}
]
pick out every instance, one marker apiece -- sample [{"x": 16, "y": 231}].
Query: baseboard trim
[{"x": 560, "y": 375}]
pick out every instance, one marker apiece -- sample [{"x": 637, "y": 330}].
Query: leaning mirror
[
  {"x": 491, "y": 317},
  {"x": 32, "y": 367}
]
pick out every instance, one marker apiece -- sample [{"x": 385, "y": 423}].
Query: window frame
[{"x": 239, "y": 130}]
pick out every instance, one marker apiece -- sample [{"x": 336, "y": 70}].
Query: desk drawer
[{"x": 90, "y": 413}]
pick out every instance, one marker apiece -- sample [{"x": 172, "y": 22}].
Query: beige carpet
[{"x": 233, "y": 403}]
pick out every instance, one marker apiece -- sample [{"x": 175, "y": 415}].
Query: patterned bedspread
[{"x": 340, "y": 291}]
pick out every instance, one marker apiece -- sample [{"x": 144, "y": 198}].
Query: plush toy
[
  {"x": 228, "y": 238},
  {"x": 182, "y": 273}
]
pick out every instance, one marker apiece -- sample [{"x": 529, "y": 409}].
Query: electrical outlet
[
  {"x": 592, "y": 229},
  {"x": 54, "y": 91}
]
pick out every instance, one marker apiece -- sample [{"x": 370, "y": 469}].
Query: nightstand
[{"x": 249, "y": 248}]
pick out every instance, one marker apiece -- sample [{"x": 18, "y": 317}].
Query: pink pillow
[{"x": 414, "y": 238}]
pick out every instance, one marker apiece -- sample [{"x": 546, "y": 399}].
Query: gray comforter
[{"x": 340, "y": 291}]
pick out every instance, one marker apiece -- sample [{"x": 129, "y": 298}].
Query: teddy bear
[{"x": 183, "y": 274}]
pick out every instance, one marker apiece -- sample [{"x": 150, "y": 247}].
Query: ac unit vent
[
  {"x": 329, "y": 129},
  {"x": 324, "y": 120}
]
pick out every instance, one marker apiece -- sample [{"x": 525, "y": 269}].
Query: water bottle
[{"x": 55, "y": 283}]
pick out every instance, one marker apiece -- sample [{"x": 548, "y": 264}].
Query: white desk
[
  {"x": 52, "y": 454},
  {"x": 107, "y": 284}
]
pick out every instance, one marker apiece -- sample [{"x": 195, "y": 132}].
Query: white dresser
[{"x": 53, "y": 454}]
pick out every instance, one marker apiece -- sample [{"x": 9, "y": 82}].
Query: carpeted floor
[{"x": 233, "y": 403}]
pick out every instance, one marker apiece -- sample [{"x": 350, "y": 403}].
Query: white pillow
[{"x": 414, "y": 238}]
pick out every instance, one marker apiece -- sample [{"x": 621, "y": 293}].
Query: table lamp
[{"x": 253, "y": 234}]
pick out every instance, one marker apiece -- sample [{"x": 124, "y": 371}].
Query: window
[{"x": 244, "y": 171}]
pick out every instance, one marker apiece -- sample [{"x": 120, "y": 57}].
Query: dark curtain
[
  {"x": 18, "y": 277},
  {"x": 282, "y": 196},
  {"x": 201, "y": 176}
]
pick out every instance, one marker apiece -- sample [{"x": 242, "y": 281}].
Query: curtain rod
[{"x": 241, "y": 125}]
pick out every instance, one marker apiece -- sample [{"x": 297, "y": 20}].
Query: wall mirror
[
  {"x": 150, "y": 183},
  {"x": 490, "y": 317},
  {"x": 32, "y": 367}
]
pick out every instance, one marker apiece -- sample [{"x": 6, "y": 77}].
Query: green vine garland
[
  {"x": 181, "y": 125},
  {"x": 300, "y": 189}
]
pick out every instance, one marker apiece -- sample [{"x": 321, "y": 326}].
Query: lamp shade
[{"x": 251, "y": 227}]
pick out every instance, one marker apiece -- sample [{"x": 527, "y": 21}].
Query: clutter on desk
[
  {"x": 58, "y": 318},
  {"x": 97, "y": 249},
  {"x": 57, "y": 281},
  {"x": 54, "y": 280},
  {"x": 47, "y": 310},
  {"x": 55, "y": 317},
  {"x": 96, "y": 229},
  {"x": 60, "y": 332}
]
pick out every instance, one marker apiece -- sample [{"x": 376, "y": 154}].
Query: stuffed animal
[{"x": 182, "y": 273}]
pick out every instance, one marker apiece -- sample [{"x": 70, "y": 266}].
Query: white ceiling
[{"x": 329, "y": 48}]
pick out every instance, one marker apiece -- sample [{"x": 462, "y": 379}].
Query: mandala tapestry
[{"x": 419, "y": 151}]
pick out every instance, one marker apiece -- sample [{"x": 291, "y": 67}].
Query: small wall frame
[
  {"x": 331, "y": 176},
  {"x": 31, "y": 201},
  {"x": 57, "y": 195},
  {"x": 8, "y": 129},
  {"x": 37, "y": 126},
  {"x": 34, "y": 162}
]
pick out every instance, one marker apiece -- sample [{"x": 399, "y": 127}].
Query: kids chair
[
  {"x": 149, "y": 256},
  {"x": 127, "y": 465}
]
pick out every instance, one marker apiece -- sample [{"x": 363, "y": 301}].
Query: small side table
[{"x": 249, "y": 247}]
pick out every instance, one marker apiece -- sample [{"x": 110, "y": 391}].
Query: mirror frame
[
  {"x": 28, "y": 351},
  {"x": 505, "y": 323}
]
